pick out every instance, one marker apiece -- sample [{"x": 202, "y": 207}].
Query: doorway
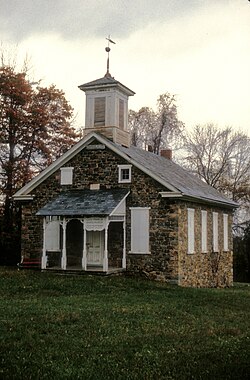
[
  {"x": 74, "y": 243},
  {"x": 95, "y": 248}
]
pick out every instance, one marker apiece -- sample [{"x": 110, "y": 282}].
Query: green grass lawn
[{"x": 90, "y": 327}]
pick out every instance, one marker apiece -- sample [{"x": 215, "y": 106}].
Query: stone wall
[
  {"x": 168, "y": 259},
  {"x": 204, "y": 269}
]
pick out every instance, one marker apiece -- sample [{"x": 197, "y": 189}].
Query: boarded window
[
  {"x": 99, "y": 115},
  {"x": 67, "y": 176},
  {"x": 225, "y": 227},
  {"x": 215, "y": 232},
  {"x": 139, "y": 230},
  {"x": 121, "y": 113},
  {"x": 53, "y": 236},
  {"x": 190, "y": 230},
  {"x": 203, "y": 231}
]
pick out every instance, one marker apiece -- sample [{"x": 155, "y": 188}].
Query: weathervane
[{"x": 108, "y": 50}]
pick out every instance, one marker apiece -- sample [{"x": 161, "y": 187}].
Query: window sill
[{"x": 139, "y": 253}]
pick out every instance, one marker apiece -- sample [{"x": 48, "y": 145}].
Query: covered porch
[{"x": 85, "y": 230}]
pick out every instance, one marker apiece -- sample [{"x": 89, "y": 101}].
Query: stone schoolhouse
[{"x": 106, "y": 206}]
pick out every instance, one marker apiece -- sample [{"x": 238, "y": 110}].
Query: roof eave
[
  {"x": 106, "y": 86},
  {"x": 36, "y": 181},
  {"x": 215, "y": 202}
]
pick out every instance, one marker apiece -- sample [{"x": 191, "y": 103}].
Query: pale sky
[{"x": 196, "y": 49}]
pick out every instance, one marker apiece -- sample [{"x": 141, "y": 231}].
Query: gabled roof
[
  {"x": 106, "y": 82},
  {"x": 173, "y": 177},
  {"x": 170, "y": 172},
  {"x": 84, "y": 203}
]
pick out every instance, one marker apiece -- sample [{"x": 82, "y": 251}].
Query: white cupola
[{"x": 107, "y": 108}]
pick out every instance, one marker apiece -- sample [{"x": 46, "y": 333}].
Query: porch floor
[{"x": 79, "y": 270}]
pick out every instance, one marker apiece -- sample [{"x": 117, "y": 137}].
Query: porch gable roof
[{"x": 84, "y": 203}]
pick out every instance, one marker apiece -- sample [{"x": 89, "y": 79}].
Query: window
[
  {"x": 67, "y": 176},
  {"x": 53, "y": 236},
  {"x": 121, "y": 113},
  {"x": 215, "y": 232},
  {"x": 124, "y": 173},
  {"x": 140, "y": 230},
  {"x": 225, "y": 231},
  {"x": 190, "y": 230},
  {"x": 99, "y": 114},
  {"x": 203, "y": 231}
]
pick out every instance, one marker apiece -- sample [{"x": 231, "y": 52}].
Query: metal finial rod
[{"x": 108, "y": 50}]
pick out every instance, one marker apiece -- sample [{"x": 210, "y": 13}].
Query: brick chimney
[{"x": 167, "y": 153}]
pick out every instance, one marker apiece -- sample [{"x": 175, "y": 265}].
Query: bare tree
[
  {"x": 158, "y": 128},
  {"x": 221, "y": 157}
]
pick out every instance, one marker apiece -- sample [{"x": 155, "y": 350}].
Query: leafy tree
[
  {"x": 157, "y": 128},
  {"x": 35, "y": 128}
]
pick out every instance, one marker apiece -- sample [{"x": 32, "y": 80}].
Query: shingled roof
[
  {"x": 171, "y": 175},
  {"x": 184, "y": 182},
  {"x": 84, "y": 203},
  {"x": 106, "y": 81}
]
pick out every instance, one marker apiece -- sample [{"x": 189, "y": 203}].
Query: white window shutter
[
  {"x": 215, "y": 232},
  {"x": 203, "y": 231},
  {"x": 190, "y": 230},
  {"x": 67, "y": 176},
  {"x": 225, "y": 230},
  {"x": 140, "y": 230},
  {"x": 53, "y": 236}
]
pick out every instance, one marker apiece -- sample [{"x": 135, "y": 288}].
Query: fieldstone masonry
[{"x": 168, "y": 259}]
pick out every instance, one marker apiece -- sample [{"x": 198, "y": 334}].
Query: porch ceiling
[{"x": 84, "y": 203}]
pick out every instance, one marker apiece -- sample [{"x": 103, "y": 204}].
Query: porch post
[
  {"x": 105, "y": 258},
  {"x": 64, "y": 257},
  {"x": 124, "y": 245},
  {"x": 44, "y": 257},
  {"x": 84, "y": 254}
]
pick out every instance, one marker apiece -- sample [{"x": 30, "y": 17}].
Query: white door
[{"x": 94, "y": 248}]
